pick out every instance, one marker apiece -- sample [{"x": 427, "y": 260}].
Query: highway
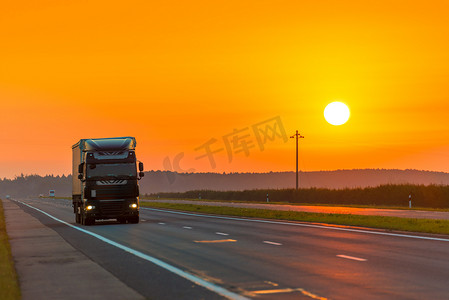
[{"x": 175, "y": 255}]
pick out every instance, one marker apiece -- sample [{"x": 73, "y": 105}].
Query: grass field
[
  {"x": 429, "y": 196},
  {"x": 303, "y": 204},
  {"x": 9, "y": 285},
  {"x": 379, "y": 222}
]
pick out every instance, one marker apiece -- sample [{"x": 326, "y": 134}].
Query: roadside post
[
  {"x": 268, "y": 200},
  {"x": 410, "y": 201}
]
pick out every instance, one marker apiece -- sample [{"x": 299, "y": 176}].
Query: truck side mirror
[
  {"x": 80, "y": 168},
  {"x": 80, "y": 176},
  {"x": 141, "y": 174},
  {"x": 140, "y": 167}
]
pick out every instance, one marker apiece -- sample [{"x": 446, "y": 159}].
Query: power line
[{"x": 298, "y": 136}]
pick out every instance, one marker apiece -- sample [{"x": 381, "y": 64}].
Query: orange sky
[{"x": 177, "y": 74}]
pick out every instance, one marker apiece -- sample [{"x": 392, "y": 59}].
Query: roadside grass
[
  {"x": 378, "y": 222},
  {"x": 9, "y": 284},
  {"x": 303, "y": 204}
]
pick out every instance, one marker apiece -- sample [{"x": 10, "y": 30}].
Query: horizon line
[{"x": 228, "y": 173}]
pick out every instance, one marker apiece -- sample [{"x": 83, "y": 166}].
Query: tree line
[
  {"x": 369, "y": 186},
  {"x": 35, "y": 185},
  {"x": 431, "y": 196}
]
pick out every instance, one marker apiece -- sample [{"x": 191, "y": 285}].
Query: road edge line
[
  {"x": 199, "y": 281},
  {"x": 280, "y": 222}
]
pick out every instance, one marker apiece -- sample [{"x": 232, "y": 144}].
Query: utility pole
[{"x": 298, "y": 136}]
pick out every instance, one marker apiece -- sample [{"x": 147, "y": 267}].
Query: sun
[{"x": 336, "y": 113}]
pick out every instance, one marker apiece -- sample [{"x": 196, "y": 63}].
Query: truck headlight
[
  {"x": 134, "y": 205},
  {"x": 90, "y": 207}
]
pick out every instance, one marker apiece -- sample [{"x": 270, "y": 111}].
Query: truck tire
[
  {"x": 86, "y": 221},
  {"x": 133, "y": 220},
  {"x": 77, "y": 214}
]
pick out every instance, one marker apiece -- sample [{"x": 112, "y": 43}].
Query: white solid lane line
[
  {"x": 272, "y": 243},
  {"x": 351, "y": 257},
  {"x": 187, "y": 227},
  {"x": 161, "y": 223},
  {"x": 197, "y": 280},
  {"x": 221, "y": 233},
  {"x": 304, "y": 225}
]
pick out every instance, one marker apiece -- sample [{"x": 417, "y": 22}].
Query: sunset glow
[{"x": 235, "y": 78}]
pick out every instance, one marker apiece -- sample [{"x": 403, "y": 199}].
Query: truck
[{"x": 105, "y": 175}]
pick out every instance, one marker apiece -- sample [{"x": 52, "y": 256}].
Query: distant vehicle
[
  {"x": 106, "y": 186},
  {"x": 41, "y": 195},
  {"x": 51, "y": 193},
  {"x": 8, "y": 197}
]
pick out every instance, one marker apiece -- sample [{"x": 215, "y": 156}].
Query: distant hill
[
  {"x": 166, "y": 181},
  {"x": 34, "y": 185}
]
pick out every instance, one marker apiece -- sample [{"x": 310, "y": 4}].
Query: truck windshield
[{"x": 111, "y": 170}]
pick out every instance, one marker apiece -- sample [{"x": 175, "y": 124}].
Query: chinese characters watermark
[{"x": 239, "y": 141}]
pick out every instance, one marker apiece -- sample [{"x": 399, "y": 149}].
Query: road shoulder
[{"x": 50, "y": 268}]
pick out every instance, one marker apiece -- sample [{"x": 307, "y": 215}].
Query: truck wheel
[
  {"x": 134, "y": 220},
  {"x": 77, "y": 215},
  {"x": 86, "y": 220}
]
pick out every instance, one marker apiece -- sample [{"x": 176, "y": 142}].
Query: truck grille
[
  {"x": 112, "y": 182},
  {"x": 115, "y": 191},
  {"x": 111, "y": 208}
]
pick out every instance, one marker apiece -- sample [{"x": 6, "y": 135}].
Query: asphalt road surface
[{"x": 175, "y": 255}]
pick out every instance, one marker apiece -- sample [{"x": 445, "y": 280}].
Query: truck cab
[{"x": 106, "y": 186}]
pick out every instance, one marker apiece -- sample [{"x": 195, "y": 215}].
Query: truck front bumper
[{"x": 111, "y": 209}]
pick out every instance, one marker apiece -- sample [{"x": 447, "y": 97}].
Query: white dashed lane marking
[
  {"x": 288, "y": 290},
  {"x": 351, "y": 257},
  {"x": 272, "y": 243},
  {"x": 217, "y": 241}
]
